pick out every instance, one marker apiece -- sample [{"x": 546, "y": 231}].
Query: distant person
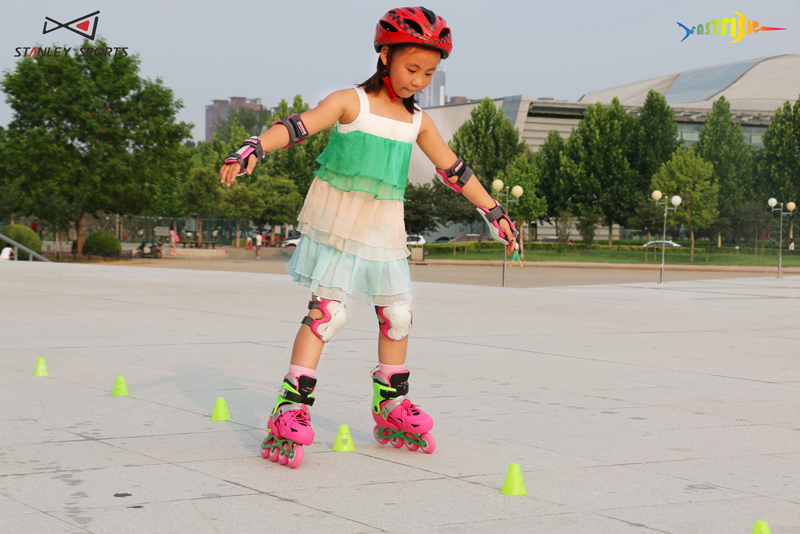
[
  {"x": 173, "y": 238},
  {"x": 353, "y": 237},
  {"x": 259, "y": 240},
  {"x": 7, "y": 254},
  {"x": 791, "y": 244},
  {"x": 515, "y": 256},
  {"x": 35, "y": 226}
]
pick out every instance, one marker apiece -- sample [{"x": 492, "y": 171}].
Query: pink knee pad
[
  {"x": 397, "y": 320},
  {"x": 334, "y": 316}
]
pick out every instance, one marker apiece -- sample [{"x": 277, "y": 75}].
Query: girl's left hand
[{"x": 509, "y": 235}]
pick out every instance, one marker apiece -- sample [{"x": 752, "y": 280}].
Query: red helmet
[{"x": 414, "y": 25}]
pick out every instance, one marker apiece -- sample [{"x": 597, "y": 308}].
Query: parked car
[
  {"x": 659, "y": 242},
  {"x": 470, "y": 237},
  {"x": 415, "y": 240},
  {"x": 546, "y": 240},
  {"x": 291, "y": 241},
  {"x": 444, "y": 239}
]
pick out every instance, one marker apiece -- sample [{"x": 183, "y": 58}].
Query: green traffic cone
[
  {"x": 344, "y": 443},
  {"x": 41, "y": 368},
  {"x": 761, "y": 527},
  {"x": 514, "y": 485},
  {"x": 221, "y": 411},
  {"x": 120, "y": 388}
]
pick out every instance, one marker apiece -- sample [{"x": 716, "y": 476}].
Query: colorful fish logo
[{"x": 739, "y": 26}]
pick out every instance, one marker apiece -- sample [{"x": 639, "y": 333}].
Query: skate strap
[
  {"x": 283, "y": 408},
  {"x": 296, "y": 397},
  {"x": 391, "y": 405}
]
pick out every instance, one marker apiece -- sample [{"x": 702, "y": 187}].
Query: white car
[
  {"x": 659, "y": 242},
  {"x": 415, "y": 240},
  {"x": 291, "y": 242}
]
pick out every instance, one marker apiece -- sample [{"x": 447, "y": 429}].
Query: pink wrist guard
[{"x": 492, "y": 216}]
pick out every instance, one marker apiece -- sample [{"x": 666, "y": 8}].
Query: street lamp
[
  {"x": 516, "y": 192},
  {"x": 676, "y": 201},
  {"x": 790, "y": 206}
]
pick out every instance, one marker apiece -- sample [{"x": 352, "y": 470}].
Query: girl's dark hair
[{"x": 374, "y": 84}]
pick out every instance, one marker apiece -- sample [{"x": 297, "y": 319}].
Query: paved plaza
[{"x": 630, "y": 408}]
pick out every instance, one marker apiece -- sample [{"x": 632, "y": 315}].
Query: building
[
  {"x": 434, "y": 94},
  {"x": 219, "y": 110},
  {"x": 754, "y": 88}
]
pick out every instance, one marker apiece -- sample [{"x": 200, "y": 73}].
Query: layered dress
[{"x": 353, "y": 240}]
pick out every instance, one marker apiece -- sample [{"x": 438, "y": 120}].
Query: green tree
[
  {"x": 242, "y": 200},
  {"x": 723, "y": 145},
  {"x": 201, "y": 194},
  {"x": 253, "y": 121},
  {"x": 779, "y": 165},
  {"x": 282, "y": 202},
  {"x": 420, "y": 208},
  {"x": 95, "y": 136},
  {"x": 648, "y": 217},
  {"x": 597, "y": 173},
  {"x": 487, "y": 142},
  {"x": 656, "y": 138},
  {"x": 548, "y": 165},
  {"x": 687, "y": 175},
  {"x": 452, "y": 208},
  {"x": 297, "y": 162},
  {"x": 530, "y": 206}
]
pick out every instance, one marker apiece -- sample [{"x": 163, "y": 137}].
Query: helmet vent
[
  {"x": 414, "y": 25},
  {"x": 444, "y": 34},
  {"x": 388, "y": 27},
  {"x": 430, "y": 15}
]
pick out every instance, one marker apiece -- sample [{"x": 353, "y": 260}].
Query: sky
[{"x": 206, "y": 50}]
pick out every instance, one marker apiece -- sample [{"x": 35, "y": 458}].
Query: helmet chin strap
[{"x": 385, "y": 76}]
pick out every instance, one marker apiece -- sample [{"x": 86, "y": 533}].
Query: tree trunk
[
  {"x": 719, "y": 240},
  {"x": 610, "y": 234},
  {"x": 238, "y": 227},
  {"x": 691, "y": 253},
  {"x": 79, "y": 233},
  {"x": 199, "y": 229}
]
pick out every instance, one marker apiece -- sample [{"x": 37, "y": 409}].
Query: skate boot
[
  {"x": 290, "y": 424},
  {"x": 397, "y": 419}
]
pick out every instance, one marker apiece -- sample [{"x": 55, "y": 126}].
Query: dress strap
[
  {"x": 417, "y": 118},
  {"x": 364, "y": 101}
]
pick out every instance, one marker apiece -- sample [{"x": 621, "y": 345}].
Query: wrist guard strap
[
  {"x": 492, "y": 216},
  {"x": 463, "y": 172},
  {"x": 251, "y": 147},
  {"x": 297, "y": 130}
]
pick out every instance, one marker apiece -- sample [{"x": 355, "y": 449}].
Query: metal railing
[{"x": 17, "y": 246}]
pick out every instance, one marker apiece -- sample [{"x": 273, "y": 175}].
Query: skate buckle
[{"x": 390, "y": 406}]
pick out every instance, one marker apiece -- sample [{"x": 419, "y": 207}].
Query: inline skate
[
  {"x": 397, "y": 419},
  {"x": 290, "y": 423}
]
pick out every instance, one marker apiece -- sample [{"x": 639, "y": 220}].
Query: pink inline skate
[
  {"x": 290, "y": 424},
  {"x": 397, "y": 419}
]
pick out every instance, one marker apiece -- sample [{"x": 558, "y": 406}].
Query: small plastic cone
[
  {"x": 344, "y": 443},
  {"x": 514, "y": 485},
  {"x": 41, "y": 368},
  {"x": 761, "y": 527},
  {"x": 120, "y": 388},
  {"x": 220, "y": 411}
]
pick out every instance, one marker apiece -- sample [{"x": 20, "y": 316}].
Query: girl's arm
[
  {"x": 432, "y": 144},
  {"x": 340, "y": 106}
]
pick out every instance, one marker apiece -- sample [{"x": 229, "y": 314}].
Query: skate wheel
[
  {"x": 283, "y": 458},
  {"x": 378, "y": 433},
  {"x": 276, "y": 451},
  {"x": 266, "y": 447},
  {"x": 397, "y": 442},
  {"x": 411, "y": 442},
  {"x": 429, "y": 443},
  {"x": 297, "y": 459}
]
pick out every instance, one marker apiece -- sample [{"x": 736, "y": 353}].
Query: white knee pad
[
  {"x": 397, "y": 320},
  {"x": 334, "y": 316}
]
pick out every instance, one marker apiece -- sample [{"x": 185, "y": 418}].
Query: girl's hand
[
  {"x": 509, "y": 235},
  {"x": 229, "y": 171}
]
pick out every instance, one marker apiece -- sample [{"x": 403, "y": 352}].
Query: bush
[
  {"x": 24, "y": 236},
  {"x": 102, "y": 244}
]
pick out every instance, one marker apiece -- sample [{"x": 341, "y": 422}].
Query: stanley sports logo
[
  {"x": 736, "y": 26},
  {"x": 80, "y": 25}
]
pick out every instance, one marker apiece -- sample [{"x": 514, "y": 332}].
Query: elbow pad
[
  {"x": 463, "y": 172},
  {"x": 297, "y": 130}
]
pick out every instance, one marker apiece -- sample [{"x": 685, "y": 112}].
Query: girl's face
[{"x": 411, "y": 70}]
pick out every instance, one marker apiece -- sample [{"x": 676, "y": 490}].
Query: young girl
[{"x": 353, "y": 241}]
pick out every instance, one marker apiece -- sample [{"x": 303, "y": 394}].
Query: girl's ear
[{"x": 384, "y": 55}]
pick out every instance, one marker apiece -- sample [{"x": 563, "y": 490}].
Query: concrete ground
[{"x": 633, "y": 407}]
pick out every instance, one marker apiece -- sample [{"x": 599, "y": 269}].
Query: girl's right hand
[{"x": 229, "y": 171}]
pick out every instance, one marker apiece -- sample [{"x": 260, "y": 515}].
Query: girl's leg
[{"x": 307, "y": 347}]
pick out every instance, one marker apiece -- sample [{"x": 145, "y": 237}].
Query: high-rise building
[
  {"x": 434, "y": 95},
  {"x": 219, "y": 110}
]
